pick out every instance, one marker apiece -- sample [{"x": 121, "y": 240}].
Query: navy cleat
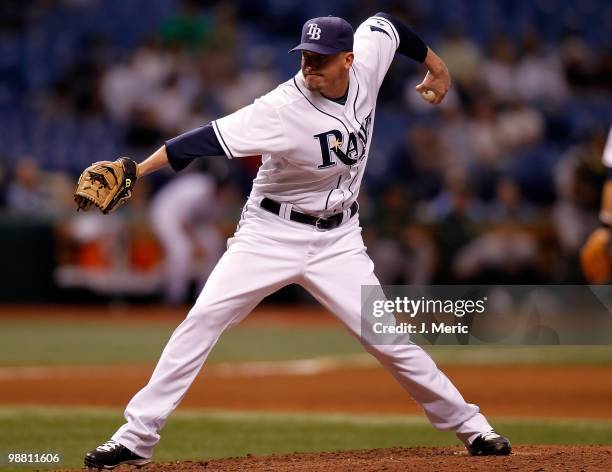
[{"x": 112, "y": 454}]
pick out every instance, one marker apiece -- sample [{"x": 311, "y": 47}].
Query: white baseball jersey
[
  {"x": 607, "y": 155},
  {"x": 313, "y": 149}
]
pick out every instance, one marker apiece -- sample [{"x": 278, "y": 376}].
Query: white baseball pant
[{"x": 266, "y": 253}]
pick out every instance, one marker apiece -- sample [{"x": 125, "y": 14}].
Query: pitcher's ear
[{"x": 349, "y": 58}]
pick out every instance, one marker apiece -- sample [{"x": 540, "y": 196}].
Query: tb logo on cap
[{"x": 314, "y": 31}]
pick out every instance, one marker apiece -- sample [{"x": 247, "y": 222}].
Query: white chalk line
[{"x": 300, "y": 367}]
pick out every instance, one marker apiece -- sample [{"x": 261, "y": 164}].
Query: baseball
[{"x": 428, "y": 95}]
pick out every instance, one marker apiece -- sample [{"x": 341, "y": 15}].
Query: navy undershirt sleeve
[
  {"x": 200, "y": 142},
  {"x": 411, "y": 44}
]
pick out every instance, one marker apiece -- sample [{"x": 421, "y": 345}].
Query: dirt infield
[
  {"x": 540, "y": 391},
  {"x": 137, "y": 314},
  {"x": 578, "y": 391},
  {"x": 423, "y": 459}
]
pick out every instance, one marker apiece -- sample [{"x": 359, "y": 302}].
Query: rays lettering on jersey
[{"x": 332, "y": 141}]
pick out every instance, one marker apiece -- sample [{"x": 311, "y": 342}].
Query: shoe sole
[
  {"x": 501, "y": 452},
  {"x": 136, "y": 462}
]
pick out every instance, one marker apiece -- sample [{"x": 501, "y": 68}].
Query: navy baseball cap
[{"x": 326, "y": 35}]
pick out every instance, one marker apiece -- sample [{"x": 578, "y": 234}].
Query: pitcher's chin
[{"x": 313, "y": 83}]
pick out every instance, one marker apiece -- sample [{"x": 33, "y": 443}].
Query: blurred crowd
[{"x": 499, "y": 184}]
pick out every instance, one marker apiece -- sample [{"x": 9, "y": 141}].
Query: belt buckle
[{"x": 317, "y": 226}]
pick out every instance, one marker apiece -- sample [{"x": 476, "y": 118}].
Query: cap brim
[{"x": 314, "y": 47}]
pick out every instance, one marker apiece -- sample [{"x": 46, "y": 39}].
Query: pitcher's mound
[{"x": 527, "y": 458}]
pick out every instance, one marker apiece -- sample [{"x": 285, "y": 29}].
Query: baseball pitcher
[{"x": 300, "y": 223}]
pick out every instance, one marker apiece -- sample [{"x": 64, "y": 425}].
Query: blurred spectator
[
  {"x": 219, "y": 63},
  {"x": 539, "y": 74},
  {"x": 509, "y": 204},
  {"x": 455, "y": 230},
  {"x": 457, "y": 198},
  {"x": 586, "y": 68},
  {"x": 393, "y": 211},
  {"x": 171, "y": 107},
  {"x": 26, "y": 193},
  {"x": 156, "y": 89},
  {"x": 505, "y": 254},
  {"x": 121, "y": 90},
  {"x": 461, "y": 55},
  {"x": 579, "y": 178},
  {"x": 388, "y": 258},
  {"x": 578, "y": 61},
  {"x": 519, "y": 124},
  {"x": 498, "y": 70},
  {"x": 455, "y": 139},
  {"x": 417, "y": 163},
  {"x": 152, "y": 64},
  {"x": 252, "y": 82},
  {"x": 226, "y": 30},
  {"x": 189, "y": 28},
  {"x": 411, "y": 258},
  {"x": 482, "y": 133},
  {"x": 421, "y": 255}
]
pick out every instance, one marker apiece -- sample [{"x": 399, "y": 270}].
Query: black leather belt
[{"x": 319, "y": 223}]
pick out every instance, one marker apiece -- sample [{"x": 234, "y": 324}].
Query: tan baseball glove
[
  {"x": 106, "y": 185},
  {"x": 595, "y": 257}
]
